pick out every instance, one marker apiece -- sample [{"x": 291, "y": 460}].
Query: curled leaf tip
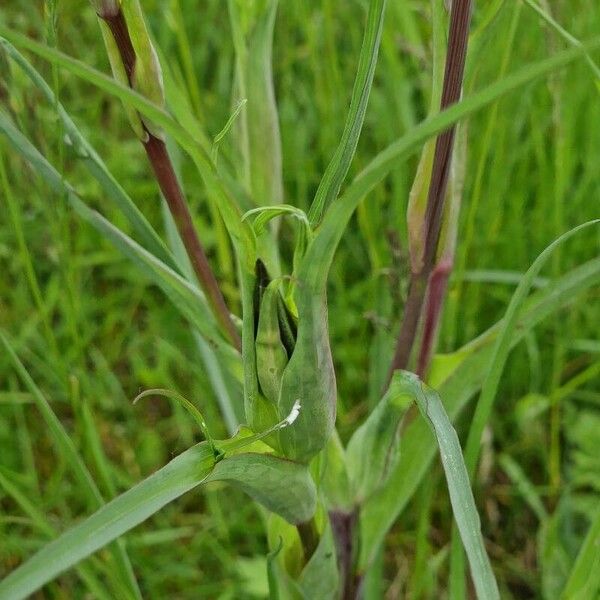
[{"x": 187, "y": 405}]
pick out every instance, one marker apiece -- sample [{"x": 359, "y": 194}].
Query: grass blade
[
  {"x": 584, "y": 580},
  {"x": 87, "y": 574},
  {"x": 111, "y": 521},
  {"x": 498, "y": 360},
  {"x": 340, "y": 212},
  {"x": 564, "y": 34},
  {"x": 94, "y": 163},
  {"x": 66, "y": 447},
  {"x": 461, "y": 496},
  {"x": 186, "y": 297},
  {"x": 337, "y": 169},
  {"x": 224, "y": 197},
  {"x": 252, "y": 26},
  {"x": 503, "y": 345},
  {"x": 383, "y": 509},
  {"x": 282, "y": 485}
]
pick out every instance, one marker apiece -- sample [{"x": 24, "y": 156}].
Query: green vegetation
[{"x": 260, "y": 227}]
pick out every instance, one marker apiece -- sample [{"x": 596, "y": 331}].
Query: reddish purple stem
[{"x": 460, "y": 18}]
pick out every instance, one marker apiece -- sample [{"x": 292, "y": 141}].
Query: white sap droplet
[{"x": 293, "y": 413}]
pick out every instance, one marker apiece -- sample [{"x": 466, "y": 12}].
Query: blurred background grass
[{"x": 93, "y": 333}]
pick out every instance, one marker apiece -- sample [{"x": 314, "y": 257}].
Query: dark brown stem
[
  {"x": 460, "y": 18},
  {"x": 343, "y": 527},
  {"x": 169, "y": 185},
  {"x": 167, "y": 180}
]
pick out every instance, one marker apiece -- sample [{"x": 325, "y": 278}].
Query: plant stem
[
  {"x": 460, "y": 18},
  {"x": 162, "y": 166},
  {"x": 436, "y": 291},
  {"x": 343, "y": 527},
  {"x": 408, "y": 330}
]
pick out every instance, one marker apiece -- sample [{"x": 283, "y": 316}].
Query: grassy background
[{"x": 92, "y": 332}]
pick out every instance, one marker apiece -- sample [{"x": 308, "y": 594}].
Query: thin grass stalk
[{"x": 164, "y": 171}]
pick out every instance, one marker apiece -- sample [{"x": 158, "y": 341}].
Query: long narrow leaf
[
  {"x": 337, "y": 169},
  {"x": 503, "y": 345},
  {"x": 584, "y": 580},
  {"x": 111, "y": 521},
  {"x": 94, "y": 163},
  {"x": 66, "y": 447},
  {"x": 323, "y": 248},
  {"x": 186, "y": 297},
  {"x": 459, "y": 487},
  {"x": 282, "y": 485},
  {"x": 217, "y": 186},
  {"x": 500, "y": 354},
  {"x": 333, "y": 226},
  {"x": 42, "y": 522},
  {"x": 383, "y": 509}
]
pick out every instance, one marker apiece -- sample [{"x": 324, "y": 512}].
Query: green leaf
[
  {"x": 500, "y": 352},
  {"x": 217, "y": 187},
  {"x": 258, "y": 134},
  {"x": 226, "y": 386},
  {"x": 109, "y": 522},
  {"x": 584, "y": 580},
  {"x": 42, "y": 522},
  {"x": 294, "y": 578},
  {"x": 334, "y": 477},
  {"x": 104, "y": 82},
  {"x": 336, "y": 171},
  {"x": 286, "y": 482},
  {"x": 459, "y": 487},
  {"x": 271, "y": 355},
  {"x": 503, "y": 345},
  {"x": 267, "y": 213},
  {"x": 418, "y": 195},
  {"x": 272, "y": 572},
  {"x": 380, "y": 512},
  {"x": 146, "y": 77},
  {"x": 443, "y": 365},
  {"x": 566, "y": 35},
  {"x": 284, "y": 487},
  {"x": 320, "y": 576},
  {"x": 186, "y": 297},
  {"x": 282, "y": 534},
  {"x": 120, "y": 74},
  {"x": 68, "y": 451},
  {"x": 95, "y": 165},
  {"x": 322, "y": 250},
  {"x": 309, "y": 378},
  {"x": 374, "y": 449}
]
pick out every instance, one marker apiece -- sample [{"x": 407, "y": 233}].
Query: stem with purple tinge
[
  {"x": 436, "y": 291},
  {"x": 343, "y": 526},
  {"x": 162, "y": 166},
  {"x": 460, "y": 18}
]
